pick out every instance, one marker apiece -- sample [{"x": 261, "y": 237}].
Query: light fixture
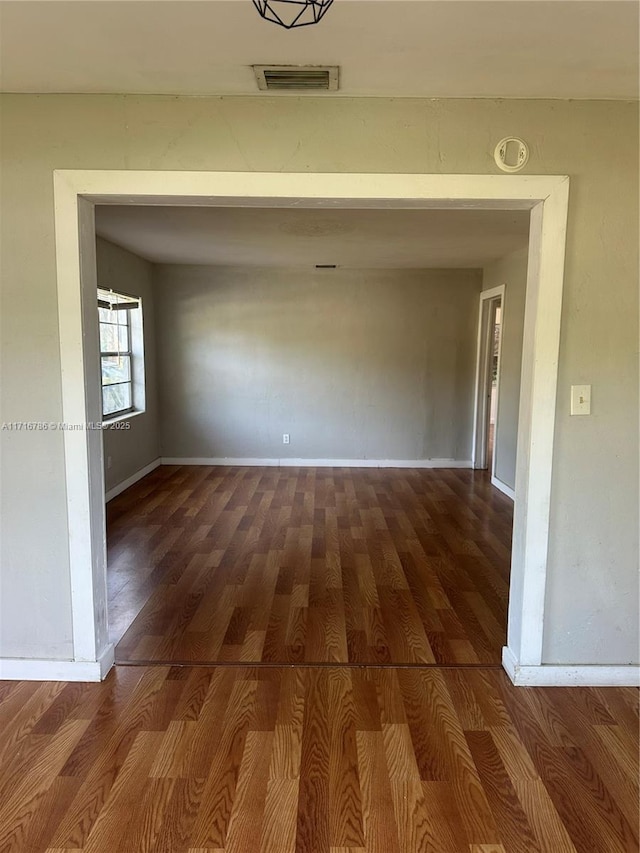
[{"x": 292, "y": 13}]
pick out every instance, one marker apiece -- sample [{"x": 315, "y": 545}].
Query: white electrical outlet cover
[{"x": 581, "y": 399}]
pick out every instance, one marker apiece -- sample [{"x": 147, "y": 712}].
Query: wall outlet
[
  {"x": 285, "y": 438},
  {"x": 108, "y": 462}
]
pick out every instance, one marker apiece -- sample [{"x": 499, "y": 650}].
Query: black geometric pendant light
[{"x": 292, "y": 13}]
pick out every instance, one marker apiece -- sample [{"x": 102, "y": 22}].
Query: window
[{"x": 116, "y": 313}]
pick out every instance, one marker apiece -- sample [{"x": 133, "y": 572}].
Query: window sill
[{"x": 106, "y": 422}]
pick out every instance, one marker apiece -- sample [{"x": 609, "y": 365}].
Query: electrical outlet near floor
[{"x": 285, "y": 438}]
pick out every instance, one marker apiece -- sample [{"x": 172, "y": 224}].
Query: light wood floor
[
  {"x": 316, "y": 760},
  {"x": 383, "y": 566}
]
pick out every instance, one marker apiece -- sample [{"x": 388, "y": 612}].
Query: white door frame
[
  {"x": 76, "y": 193},
  {"x": 483, "y": 364}
]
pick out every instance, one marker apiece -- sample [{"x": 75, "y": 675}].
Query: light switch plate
[{"x": 581, "y": 399}]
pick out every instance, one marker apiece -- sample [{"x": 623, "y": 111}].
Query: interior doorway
[
  {"x": 76, "y": 195},
  {"x": 417, "y": 320},
  {"x": 488, "y": 378},
  {"x": 496, "y": 338}
]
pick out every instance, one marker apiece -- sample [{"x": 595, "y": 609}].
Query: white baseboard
[
  {"x": 319, "y": 463},
  {"x": 121, "y": 487},
  {"x": 556, "y": 675},
  {"x": 28, "y": 669},
  {"x": 506, "y": 490}
]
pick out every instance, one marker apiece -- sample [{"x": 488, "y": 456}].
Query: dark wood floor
[
  {"x": 316, "y": 760},
  {"x": 326, "y": 565}
]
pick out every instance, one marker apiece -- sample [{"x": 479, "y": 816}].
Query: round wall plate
[{"x": 511, "y": 154}]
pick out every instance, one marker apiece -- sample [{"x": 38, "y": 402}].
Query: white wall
[
  {"x": 592, "y": 584},
  {"x": 135, "y": 447},
  {"x": 512, "y": 272},
  {"x": 352, "y": 364}
]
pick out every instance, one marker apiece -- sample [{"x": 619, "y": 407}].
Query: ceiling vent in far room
[{"x": 297, "y": 78}]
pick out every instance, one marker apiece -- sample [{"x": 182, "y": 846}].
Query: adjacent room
[{"x": 308, "y": 382}]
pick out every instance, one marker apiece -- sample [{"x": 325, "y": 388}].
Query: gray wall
[
  {"x": 353, "y": 364},
  {"x": 512, "y": 272},
  {"x": 133, "y": 448},
  {"x": 592, "y": 589}
]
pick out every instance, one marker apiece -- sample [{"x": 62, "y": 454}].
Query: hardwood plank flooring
[
  {"x": 303, "y": 759},
  {"x": 309, "y": 565}
]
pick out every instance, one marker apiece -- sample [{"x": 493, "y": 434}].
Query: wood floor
[
  {"x": 316, "y": 760},
  {"x": 375, "y": 718},
  {"x": 338, "y": 565}
]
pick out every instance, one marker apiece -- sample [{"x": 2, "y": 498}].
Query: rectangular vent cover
[{"x": 296, "y": 78}]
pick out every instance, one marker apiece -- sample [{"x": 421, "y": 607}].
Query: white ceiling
[
  {"x": 282, "y": 237},
  {"x": 423, "y": 48}
]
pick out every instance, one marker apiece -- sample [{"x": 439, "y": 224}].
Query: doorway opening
[
  {"x": 496, "y": 339},
  {"x": 236, "y": 295},
  {"x": 487, "y": 396},
  {"x": 76, "y": 195}
]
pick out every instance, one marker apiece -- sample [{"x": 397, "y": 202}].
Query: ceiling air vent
[{"x": 296, "y": 78}]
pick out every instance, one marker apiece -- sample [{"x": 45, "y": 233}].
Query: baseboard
[
  {"x": 556, "y": 675},
  {"x": 26, "y": 669},
  {"x": 502, "y": 487},
  {"x": 124, "y": 485},
  {"x": 319, "y": 463}
]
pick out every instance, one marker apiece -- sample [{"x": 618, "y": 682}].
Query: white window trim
[
  {"x": 136, "y": 353},
  {"x": 108, "y": 418}
]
